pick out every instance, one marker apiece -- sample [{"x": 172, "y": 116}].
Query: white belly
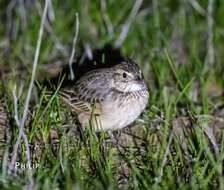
[
  {"x": 116, "y": 117},
  {"x": 113, "y": 116}
]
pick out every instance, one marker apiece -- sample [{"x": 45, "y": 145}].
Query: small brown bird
[{"x": 108, "y": 98}]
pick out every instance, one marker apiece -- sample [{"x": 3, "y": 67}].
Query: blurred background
[{"x": 191, "y": 31}]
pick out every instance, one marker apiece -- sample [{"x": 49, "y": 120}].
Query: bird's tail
[{"x": 64, "y": 94}]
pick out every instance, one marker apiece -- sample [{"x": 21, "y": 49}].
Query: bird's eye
[{"x": 124, "y": 75}]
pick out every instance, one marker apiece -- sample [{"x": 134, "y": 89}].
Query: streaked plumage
[{"x": 112, "y": 97}]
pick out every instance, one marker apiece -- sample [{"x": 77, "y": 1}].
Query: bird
[{"x": 108, "y": 99}]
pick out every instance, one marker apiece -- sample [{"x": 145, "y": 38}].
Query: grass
[{"x": 168, "y": 147}]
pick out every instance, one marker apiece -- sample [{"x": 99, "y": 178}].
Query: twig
[
  {"x": 106, "y": 18},
  {"x": 127, "y": 24},
  {"x": 210, "y": 23},
  {"x": 73, "y": 47},
  {"x": 25, "y": 111}
]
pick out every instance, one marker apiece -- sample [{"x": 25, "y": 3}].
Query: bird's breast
[{"x": 118, "y": 112}]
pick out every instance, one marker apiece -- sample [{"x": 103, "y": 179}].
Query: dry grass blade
[
  {"x": 27, "y": 101},
  {"x": 3, "y": 129},
  {"x": 178, "y": 125},
  {"x": 16, "y": 117},
  {"x": 73, "y": 47},
  {"x": 210, "y": 42},
  {"x": 210, "y": 134},
  {"x": 165, "y": 157},
  {"x": 106, "y": 17},
  {"x": 198, "y": 7},
  {"x": 127, "y": 24}
]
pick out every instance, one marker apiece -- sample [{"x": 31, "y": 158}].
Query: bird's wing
[
  {"x": 87, "y": 93},
  {"x": 78, "y": 104}
]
